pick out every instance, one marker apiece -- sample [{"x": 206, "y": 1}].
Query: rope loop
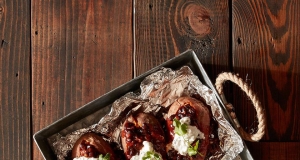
[{"x": 256, "y": 103}]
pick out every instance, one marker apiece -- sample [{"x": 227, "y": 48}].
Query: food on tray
[
  {"x": 183, "y": 120},
  {"x": 90, "y": 146},
  {"x": 143, "y": 137},
  {"x": 182, "y": 134},
  {"x": 188, "y": 124}
]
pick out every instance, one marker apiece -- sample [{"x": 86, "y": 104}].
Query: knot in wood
[
  {"x": 193, "y": 20},
  {"x": 198, "y": 19}
]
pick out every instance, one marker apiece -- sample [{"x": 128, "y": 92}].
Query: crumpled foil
[{"x": 157, "y": 92}]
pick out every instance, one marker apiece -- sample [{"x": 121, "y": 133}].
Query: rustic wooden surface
[
  {"x": 78, "y": 50},
  {"x": 171, "y": 27},
  {"x": 15, "y": 109},
  {"x": 275, "y": 150},
  {"x": 269, "y": 58}
]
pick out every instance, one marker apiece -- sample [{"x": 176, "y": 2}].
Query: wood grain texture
[
  {"x": 266, "y": 47},
  {"x": 80, "y": 50},
  {"x": 15, "y": 128},
  {"x": 275, "y": 150},
  {"x": 165, "y": 28}
]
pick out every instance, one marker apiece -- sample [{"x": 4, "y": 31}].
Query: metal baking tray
[{"x": 101, "y": 106}]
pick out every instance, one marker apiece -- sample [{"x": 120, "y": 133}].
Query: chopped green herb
[
  {"x": 156, "y": 156},
  {"x": 196, "y": 145},
  {"x": 193, "y": 150},
  {"x": 106, "y": 157},
  {"x": 150, "y": 155},
  {"x": 180, "y": 128}
]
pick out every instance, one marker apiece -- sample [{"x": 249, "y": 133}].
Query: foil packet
[{"x": 157, "y": 92}]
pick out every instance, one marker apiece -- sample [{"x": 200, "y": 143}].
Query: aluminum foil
[{"x": 157, "y": 92}]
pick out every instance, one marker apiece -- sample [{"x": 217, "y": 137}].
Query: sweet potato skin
[
  {"x": 154, "y": 133},
  {"x": 203, "y": 119},
  {"x": 93, "y": 139}
]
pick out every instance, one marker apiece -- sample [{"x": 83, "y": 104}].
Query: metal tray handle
[{"x": 257, "y": 105}]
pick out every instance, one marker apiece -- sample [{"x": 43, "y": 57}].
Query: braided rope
[{"x": 257, "y": 105}]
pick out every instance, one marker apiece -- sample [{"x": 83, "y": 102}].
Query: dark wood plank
[
  {"x": 275, "y": 150},
  {"x": 15, "y": 134},
  {"x": 165, "y": 28},
  {"x": 266, "y": 47},
  {"x": 81, "y": 50}
]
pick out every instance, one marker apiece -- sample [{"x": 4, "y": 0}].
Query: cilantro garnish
[
  {"x": 193, "y": 150},
  {"x": 106, "y": 157},
  {"x": 180, "y": 129},
  {"x": 150, "y": 155}
]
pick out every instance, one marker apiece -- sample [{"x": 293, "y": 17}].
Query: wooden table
[{"x": 58, "y": 55}]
